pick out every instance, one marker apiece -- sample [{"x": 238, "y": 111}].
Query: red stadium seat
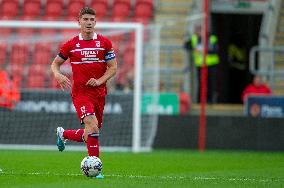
[
  {"x": 17, "y": 71},
  {"x": 125, "y": 73},
  {"x": 53, "y": 84},
  {"x": 19, "y": 53},
  {"x": 9, "y": 8},
  {"x": 121, "y": 10},
  {"x": 6, "y": 32},
  {"x": 3, "y": 54},
  {"x": 53, "y": 9},
  {"x": 38, "y": 69},
  {"x": 66, "y": 70},
  {"x": 32, "y": 8},
  {"x": 42, "y": 54},
  {"x": 35, "y": 81},
  {"x": 129, "y": 54},
  {"x": 67, "y": 34},
  {"x": 101, "y": 8},
  {"x": 74, "y": 7},
  {"x": 143, "y": 20},
  {"x": 44, "y": 32},
  {"x": 143, "y": 9},
  {"x": 25, "y": 32},
  {"x": 117, "y": 38},
  {"x": 36, "y": 75}
]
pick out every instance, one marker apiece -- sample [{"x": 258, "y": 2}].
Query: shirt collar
[{"x": 94, "y": 36}]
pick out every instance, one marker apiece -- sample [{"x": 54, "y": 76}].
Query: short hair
[{"x": 87, "y": 10}]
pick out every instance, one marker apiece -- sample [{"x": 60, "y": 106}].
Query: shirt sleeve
[
  {"x": 109, "y": 52},
  {"x": 64, "y": 52}
]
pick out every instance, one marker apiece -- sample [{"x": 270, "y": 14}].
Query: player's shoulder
[{"x": 72, "y": 41}]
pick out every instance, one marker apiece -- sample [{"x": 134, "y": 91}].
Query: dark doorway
[{"x": 237, "y": 34}]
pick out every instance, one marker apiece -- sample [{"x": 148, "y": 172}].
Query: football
[{"x": 91, "y": 166}]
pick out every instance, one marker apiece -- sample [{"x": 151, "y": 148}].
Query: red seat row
[
  {"x": 30, "y": 64},
  {"x": 121, "y": 10}
]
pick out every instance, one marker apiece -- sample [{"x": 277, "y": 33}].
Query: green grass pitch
[{"x": 173, "y": 168}]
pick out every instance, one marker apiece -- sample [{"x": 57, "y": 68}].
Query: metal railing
[{"x": 271, "y": 68}]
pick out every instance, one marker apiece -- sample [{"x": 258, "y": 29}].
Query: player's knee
[{"x": 91, "y": 124}]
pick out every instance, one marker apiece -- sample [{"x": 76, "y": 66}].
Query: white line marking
[{"x": 196, "y": 178}]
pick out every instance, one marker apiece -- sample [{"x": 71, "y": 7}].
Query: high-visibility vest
[{"x": 212, "y": 58}]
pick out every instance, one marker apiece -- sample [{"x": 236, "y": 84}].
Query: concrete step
[
  {"x": 173, "y": 8},
  {"x": 179, "y": 1},
  {"x": 278, "y": 92},
  {"x": 217, "y": 109}
]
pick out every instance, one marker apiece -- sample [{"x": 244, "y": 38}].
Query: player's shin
[
  {"x": 93, "y": 144},
  {"x": 75, "y": 135}
]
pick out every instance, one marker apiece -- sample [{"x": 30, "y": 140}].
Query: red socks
[
  {"x": 75, "y": 135},
  {"x": 93, "y": 144}
]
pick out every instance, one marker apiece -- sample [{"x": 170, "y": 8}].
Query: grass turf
[{"x": 172, "y": 168}]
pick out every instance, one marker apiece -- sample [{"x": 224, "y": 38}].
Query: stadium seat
[
  {"x": 67, "y": 34},
  {"x": 53, "y": 9},
  {"x": 117, "y": 38},
  {"x": 121, "y": 10},
  {"x": 9, "y": 9},
  {"x": 19, "y": 54},
  {"x": 25, "y": 32},
  {"x": 125, "y": 73},
  {"x": 32, "y": 9},
  {"x": 35, "y": 81},
  {"x": 42, "y": 54},
  {"x": 142, "y": 19},
  {"x": 74, "y": 7},
  {"x": 3, "y": 54},
  {"x": 48, "y": 33},
  {"x": 37, "y": 74},
  {"x": 38, "y": 69},
  {"x": 66, "y": 70},
  {"x": 17, "y": 71},
  {"x": 53, "y": 84},
  {"x": 143, "y": 9},
  {"x": 128, "y": 55},
  {"x": 6, "y": 32},
  {"x": 101, "y": 8}
]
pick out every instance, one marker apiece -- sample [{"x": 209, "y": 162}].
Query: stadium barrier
[
  {"x": 222, "y": 132},
  {"x": 265, "y": 106}
]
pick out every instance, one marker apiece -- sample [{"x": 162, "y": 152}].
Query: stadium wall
[
  {"x": 229, "y": 132},
  {"x": 232, "y": 133}
]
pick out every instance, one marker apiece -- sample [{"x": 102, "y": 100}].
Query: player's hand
[
  {"x": 93, "y": 82},
  {"x": 63, "y": 81}
]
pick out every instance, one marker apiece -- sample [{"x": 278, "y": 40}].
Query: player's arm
[
  {"x": 110, "y": 72},
  {"x": 63, "y": 81}
]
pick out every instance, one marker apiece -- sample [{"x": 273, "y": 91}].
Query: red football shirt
[
  {"x": 88, "y": 60},
  {"x": 254, "y": 90}
]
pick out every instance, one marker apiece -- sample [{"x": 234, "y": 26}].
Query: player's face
[{"x": 87, "y": 23}]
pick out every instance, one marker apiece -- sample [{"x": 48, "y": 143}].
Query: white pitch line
[{"x": 149, "y": 177}]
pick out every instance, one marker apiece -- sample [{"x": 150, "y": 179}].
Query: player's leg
[
  {"x": 92, "y": 128},
  {"x": 91, "y": 135},
  {"x": 63, "y": 135},
  {"x": 74, "y": 135},
  {"x": 91, "y": 112}
]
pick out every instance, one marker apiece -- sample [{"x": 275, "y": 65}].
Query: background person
[
  {"x": 194, "y": 45},
  {"x": 257, "y": 87},
  {"x": 9, "y": 91}
]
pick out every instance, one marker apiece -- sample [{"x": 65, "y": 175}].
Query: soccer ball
[{"x": 91, "y": 166}]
